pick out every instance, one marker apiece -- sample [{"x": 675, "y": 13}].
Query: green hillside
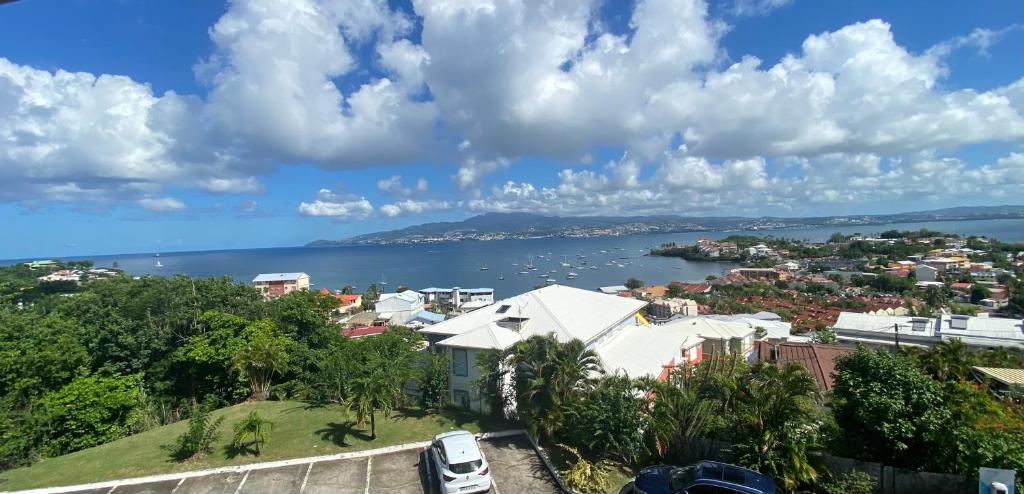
[{"x": 299, "y": 430}]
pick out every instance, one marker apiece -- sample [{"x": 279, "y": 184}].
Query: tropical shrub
[
  {"x": 585, "y": 476},
  {"x": 251, "y": 433},
  {"x": 855, "y": 482},
  {"x": 90, "y": 410},
  {"x": 198, "y": 439}
]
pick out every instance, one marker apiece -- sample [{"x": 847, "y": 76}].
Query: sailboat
[
  {"x": 158, "y": 264},
  {"x": 382, "y": 280},
  {"x": 483, "y": 267},
  {"x": 501, "y": 276},
  {"x": 564, "y": 262}
]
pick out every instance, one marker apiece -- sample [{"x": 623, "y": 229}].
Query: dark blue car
[{"x": 706, "y": 477}]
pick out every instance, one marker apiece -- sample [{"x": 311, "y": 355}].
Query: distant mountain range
[{"x": 499, "y": 226}]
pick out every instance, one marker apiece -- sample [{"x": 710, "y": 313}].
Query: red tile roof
[
  {"x": 363, "y": 331},
  {"x": 819, "y": 360},
  {"x": 348, "y": 299}
]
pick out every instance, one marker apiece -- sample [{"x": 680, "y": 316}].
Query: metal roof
[
  {"x": 565, "y": 311},
  {"x": 264, "y": 277},
  {"x": 643, "y": 351},
  {"x": 1010, "y": 377}
]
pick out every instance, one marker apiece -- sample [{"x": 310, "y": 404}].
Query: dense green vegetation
[
  {"x": 120, "y": 356},
  {"x": 917, "y": 411}
]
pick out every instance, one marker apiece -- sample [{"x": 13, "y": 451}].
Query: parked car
[
  {"x": 459, "y": 463},
  {"x": 706, "y": 477}
]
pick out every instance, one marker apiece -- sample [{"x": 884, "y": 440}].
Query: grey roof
[{"x": 278, "y": 277}]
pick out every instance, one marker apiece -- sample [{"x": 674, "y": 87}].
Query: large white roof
[
  {"x": 981, "y": 331},
  {"x": 711, "y": 329},
  {"x": 408, "y": 296},
  {"x": 640, "y": 351},
  {"x": 484, "y": 337},
  {"x": 565, "y": 311},
  {"x": 278, "y": 277}
]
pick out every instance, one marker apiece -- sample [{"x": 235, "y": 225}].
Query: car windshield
[
  {"x": 679, "y": 478},
  {"x": 466, "y": 467}
]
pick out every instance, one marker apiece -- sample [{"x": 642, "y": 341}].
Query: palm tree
[
  {"x": 949, "y": 360},
  {"x": 262, "y": 357},
  {"x": 371, "y": 393},
  {"x": 549, "y": 377},
  {"x": 686, "y": 404},
  {"x": 777, "y": 409},
  {"x": 252, "y": 425}
]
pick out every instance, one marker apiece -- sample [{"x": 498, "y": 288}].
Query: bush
[
  {"x": 252, "y": 426},
  {"x": 90, "y": 411},
  {"x": 584, "y": 476},
  {"x": 855, "y": 482},
  {"x": 434, "y": 381},
  {"x": 198, "y": 439}
]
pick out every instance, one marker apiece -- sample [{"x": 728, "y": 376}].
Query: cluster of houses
[
  {"x": 714, "y": 248},
  {"x": 70, "y": 274},
  {"x": 639, "y": 332}
]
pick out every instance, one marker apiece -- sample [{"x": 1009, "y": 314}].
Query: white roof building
[
  {"x": 271, "y": 277},
  {"x": 640, "y": 351},
  {"x": 977, "y": 331},
  {"x": 565, "y": 311}
]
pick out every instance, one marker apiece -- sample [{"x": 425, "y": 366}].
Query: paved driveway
[{"x": 515, "y": 468}]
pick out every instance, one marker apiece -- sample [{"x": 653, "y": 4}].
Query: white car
[{"x": 459, "y": 463}]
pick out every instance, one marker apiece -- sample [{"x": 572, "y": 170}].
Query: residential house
[
  {"x": 818, "y": 359},
  {"x": 62, "y": 275},
  {"x": 652, "y": 292},
  {"x": 274, "y": 285},
  {"x": 693, "y": 288},
  {"x": 925, "y": 272},
  {"x": 456, "y": 296},
  {"x": 41, "y": 264},
  {"x": 759, "y": 273},
  {"x": 720, "y": 337},
  {"x": 569, "y": 313},
  {"x": 347, "y": 302},
  {"x": 882, "y": 330},
  {"x": 619, "y": 290},
  {"x": 398, "y": 308},
  {"x": 364, "y": 331},
  {"x": 766, "y": 325},
  {"x": 666, "y": 308}
]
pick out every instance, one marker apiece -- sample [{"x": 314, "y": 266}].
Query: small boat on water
[
  {"x": 484, "y": 267},
  {"x": 501, "y": 276},
  {"x": 593, "y": 266},
  {"x": 383, "y": 281},
  {"x": 524, "y": 272},
  {"x": 158, "y": 263},
  {"x": 571, "y": 275},
  {"x": 543, "y": 275}
]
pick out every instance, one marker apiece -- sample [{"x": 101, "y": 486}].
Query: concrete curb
[
  {"x": 550, "y": 466},
  {"x": 110, "y": 484}
]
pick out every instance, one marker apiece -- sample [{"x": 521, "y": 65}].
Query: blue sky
[{"x": 138, "y": 126}]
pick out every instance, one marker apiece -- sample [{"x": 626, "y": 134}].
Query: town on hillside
[{"x": 927, "y": 326}]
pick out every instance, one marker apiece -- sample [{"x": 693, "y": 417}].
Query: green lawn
[{"x": 299, "y": 430}]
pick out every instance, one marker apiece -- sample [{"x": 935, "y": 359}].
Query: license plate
[{"x": 469, "y": 487}]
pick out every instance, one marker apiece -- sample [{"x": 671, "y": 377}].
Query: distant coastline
[{"x": 522, "y": 226}]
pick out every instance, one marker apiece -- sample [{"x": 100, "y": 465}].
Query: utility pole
[{"x": 896, "y": 327}]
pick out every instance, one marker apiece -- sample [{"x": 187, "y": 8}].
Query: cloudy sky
[{"x": 135, "y": 126}]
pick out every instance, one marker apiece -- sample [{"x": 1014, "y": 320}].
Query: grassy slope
[{"x": 299, "y": 430}]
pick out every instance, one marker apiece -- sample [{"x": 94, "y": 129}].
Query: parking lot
[{"x": 514, "y": 464}]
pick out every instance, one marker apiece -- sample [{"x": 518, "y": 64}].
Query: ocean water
[{"x": 458, "y": 263}]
